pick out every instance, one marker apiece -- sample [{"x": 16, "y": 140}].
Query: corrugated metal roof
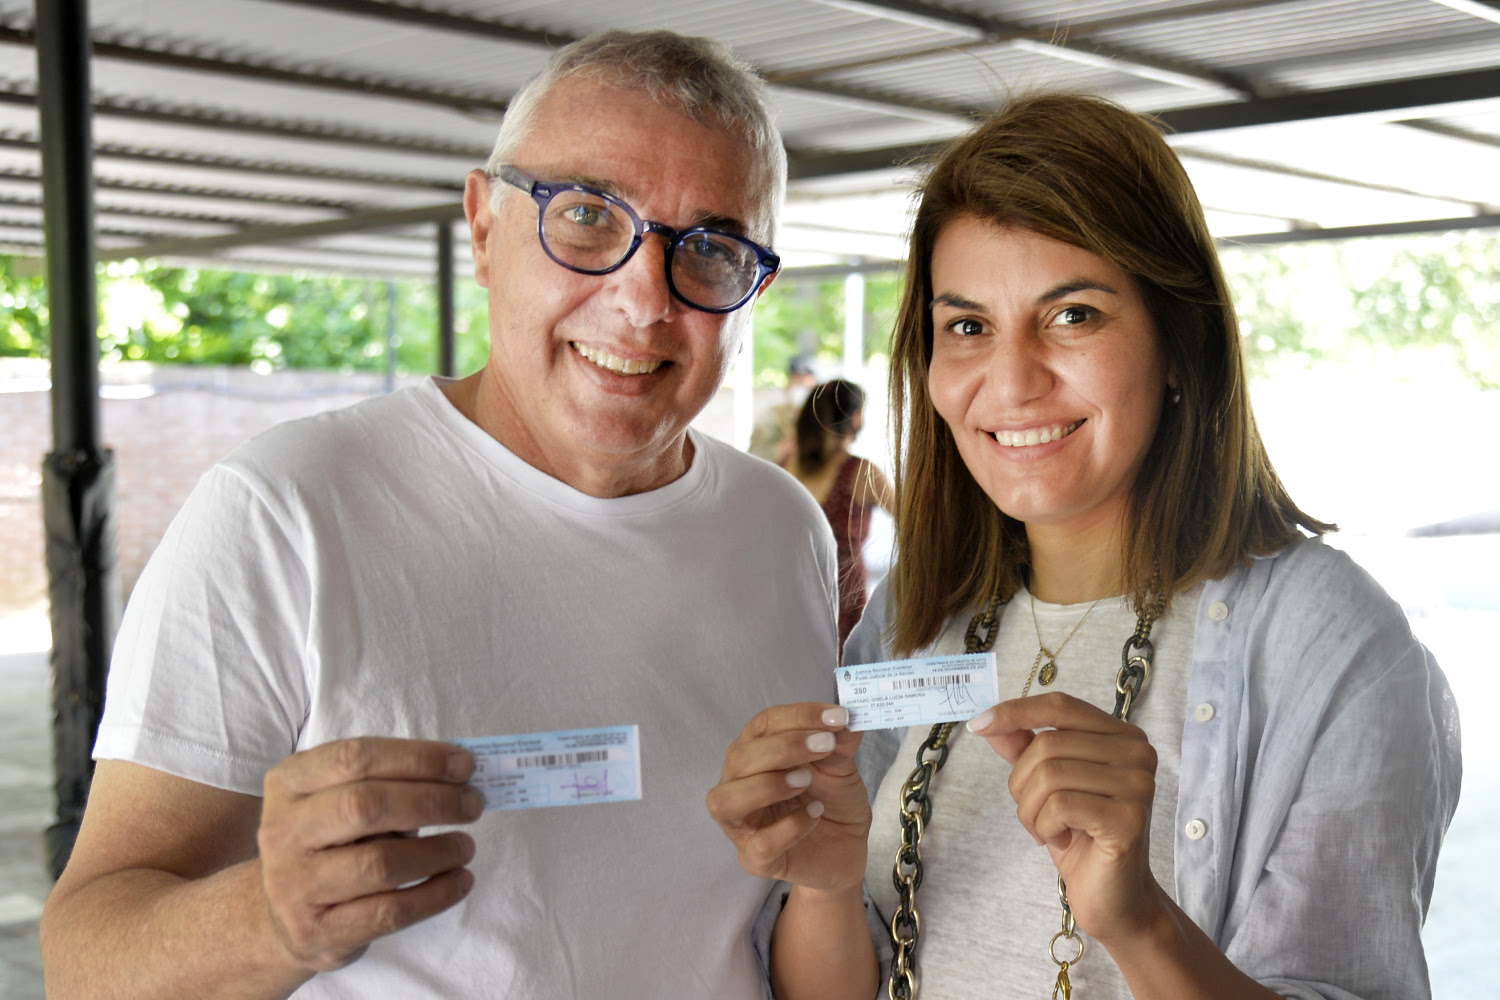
[{"x": 215, "y": 116}]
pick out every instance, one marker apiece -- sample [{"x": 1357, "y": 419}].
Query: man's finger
[
  {"x": 381, "y": 864},
  {"x": 341, "y": 932},
  {"x": 346, "y": 813},
  {"x": 369, "y": 758}
]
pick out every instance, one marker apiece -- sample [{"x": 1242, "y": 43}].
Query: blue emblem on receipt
[
  {"x": 918, "y": 692},
  {"x": 571, "y": 768}
]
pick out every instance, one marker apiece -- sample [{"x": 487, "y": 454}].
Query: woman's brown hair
[{"x": 1086, "y": 172}]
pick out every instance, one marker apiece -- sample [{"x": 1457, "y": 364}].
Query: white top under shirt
[
  {"x": 1320, "y": 767},
  {"x": 390, "y": 569},
  {"x": 976, "y": 856}
]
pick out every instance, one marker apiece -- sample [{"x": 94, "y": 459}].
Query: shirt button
[
  {"x": 1196, "y": 829},
  {"x": 1218, "y": 611},
  {"x": 1204, "y": 712}
]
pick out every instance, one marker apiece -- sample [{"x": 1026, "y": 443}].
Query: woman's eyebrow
[
  {"x": 1073, "y": 287},
  {"x": 955, "y": 301}
]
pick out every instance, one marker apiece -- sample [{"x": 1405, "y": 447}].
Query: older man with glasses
[{"x": 541, "y": 560}]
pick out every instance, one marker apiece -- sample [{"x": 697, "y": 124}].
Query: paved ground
[
  {"x": 25, "y": 810},
  {"x": 1452, "y": 593}
]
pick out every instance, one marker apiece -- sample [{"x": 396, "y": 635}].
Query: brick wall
[{"x": 167, "y": 426}]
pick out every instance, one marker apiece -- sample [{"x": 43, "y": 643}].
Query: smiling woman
[
  {"x": 1046, "y": 370},
  {"x": 1203, "y": 725}
]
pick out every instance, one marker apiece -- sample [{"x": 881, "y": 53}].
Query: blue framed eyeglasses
[{"x": 590, "y": 232}]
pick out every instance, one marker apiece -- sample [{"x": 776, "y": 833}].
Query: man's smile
[{"x": 620, "y": 366}]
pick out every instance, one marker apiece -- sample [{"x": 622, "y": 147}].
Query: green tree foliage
[
  {"x": 23, "y": 313},
  {"x": 796, "y": 316},
  {"x": 200, "y": 316},
  {"x": 1297, "y": 303},
  {"x": 1270, "y": 287},
  {"x": 1310, "y": 301},
  {"x": 1447, "y": 297}
]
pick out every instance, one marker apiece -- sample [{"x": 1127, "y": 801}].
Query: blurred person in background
[
  {"x": 845, "y": 485},
  {"x": 775, "y": 433}
]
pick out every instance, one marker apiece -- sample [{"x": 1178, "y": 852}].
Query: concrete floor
[{"x": 25, "y": 810}]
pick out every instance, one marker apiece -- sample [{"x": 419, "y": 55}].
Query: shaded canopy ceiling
[{"x": 335, "y": 134}]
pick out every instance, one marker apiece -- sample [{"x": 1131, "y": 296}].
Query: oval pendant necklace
[{"x": 1048, "y": 673}]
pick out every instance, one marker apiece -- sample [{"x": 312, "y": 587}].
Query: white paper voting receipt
[
  {"x": 569, "y": 768},
  {"x": 919, "y": 692}
]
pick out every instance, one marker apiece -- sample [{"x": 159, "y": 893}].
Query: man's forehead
[{"x": 566, "y": 143}]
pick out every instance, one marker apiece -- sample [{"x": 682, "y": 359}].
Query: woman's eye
[
  {"x": 1074, "y": 315},
  {"x": 966, "y": 327}
]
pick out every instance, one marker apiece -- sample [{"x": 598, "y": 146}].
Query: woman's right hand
[{"x": 791, "y": 799}]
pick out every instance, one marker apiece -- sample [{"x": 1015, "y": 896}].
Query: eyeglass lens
[{"x": 593, "y": 233}]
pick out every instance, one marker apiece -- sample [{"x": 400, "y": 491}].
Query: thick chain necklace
[{"x": 916, "y": 801}]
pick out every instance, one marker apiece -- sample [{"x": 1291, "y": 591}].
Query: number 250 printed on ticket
[{"x": 918, "y": 692}]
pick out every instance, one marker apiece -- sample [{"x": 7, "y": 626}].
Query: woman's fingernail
[
  {"x": 799, "y": 778},
  {"x": 820, "y": 742},
  {"x": 838, "y": 717},
  {"x": 815, "y": 809},
  {"x": 981, "y": 720}
]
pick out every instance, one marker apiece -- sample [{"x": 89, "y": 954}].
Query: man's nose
[{"x": 640, "y": 286}]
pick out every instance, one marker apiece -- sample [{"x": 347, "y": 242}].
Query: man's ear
[
  {"x": 481, "y": 221},
  {"x": 766, "y": 283}
]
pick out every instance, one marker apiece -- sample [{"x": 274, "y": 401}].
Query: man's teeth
[
  {"x": 620, "y": 366},
  {"x": 1036, "y": 435}
]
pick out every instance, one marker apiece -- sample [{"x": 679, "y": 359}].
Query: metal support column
[
  {"x": 446, "y": 363},
  {"x": 78, "y": 475}
]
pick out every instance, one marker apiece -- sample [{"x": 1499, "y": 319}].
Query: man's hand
[
  {"x": 791, "y": 799},
  {"x": 339, "y": 864}
]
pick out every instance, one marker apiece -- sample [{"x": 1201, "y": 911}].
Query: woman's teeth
[
  {"x": 620, "y": 366},
  {"x": 1035, "y": 435}
]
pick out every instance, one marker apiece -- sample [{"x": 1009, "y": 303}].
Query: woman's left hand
[{"x": 1084, "y": 786}]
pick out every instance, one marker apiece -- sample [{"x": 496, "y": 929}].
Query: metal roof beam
[
  {"x": 1488, "y": 10},
  {"x": 1080, "y": 29},
  {"x": 263, "y": 235},
  {"x": 1359, "y": 232},
  {"x": 440, "y": 20},
  {"x": 106, "y": 183},
  {"x": 113, "y": 48},
  {"x": 286, "y": 129},
  {"x": 202, "y": 161},
  {"x": 1388, "y": 100},
  {"x": 804, "y": 166},
  {"x": 1058, "y": 41},
  {"x": 1265, "y": 167}
]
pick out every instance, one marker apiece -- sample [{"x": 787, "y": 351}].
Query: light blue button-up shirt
[{"x": 1320, "y": 769}]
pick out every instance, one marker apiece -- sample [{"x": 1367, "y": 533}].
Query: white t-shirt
[
  {"x": 988, "y": 900},
  {"x": 390, "y": 569}
]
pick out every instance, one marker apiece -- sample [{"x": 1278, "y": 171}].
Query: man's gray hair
[{"x": 698, "y": 77}]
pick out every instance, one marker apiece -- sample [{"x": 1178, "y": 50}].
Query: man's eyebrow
[{"x": 713, "y": 220}]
